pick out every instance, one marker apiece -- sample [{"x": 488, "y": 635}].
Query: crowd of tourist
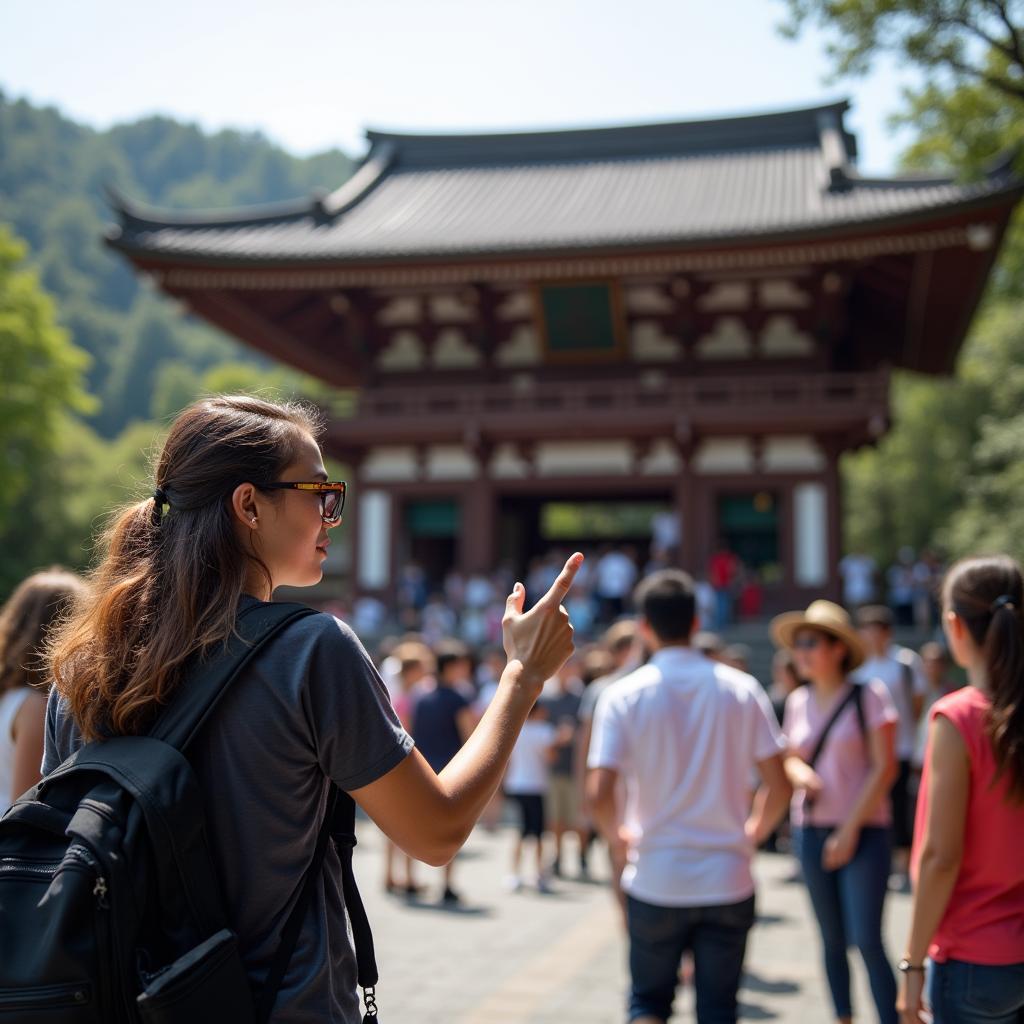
[{"x": 869, "y": 760}]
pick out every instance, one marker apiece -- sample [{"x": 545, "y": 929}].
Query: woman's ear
[
  {"x": 956, "y": 634},
  {"x": 244, "y": 506}
]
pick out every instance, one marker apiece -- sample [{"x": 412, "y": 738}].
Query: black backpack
[{"x": 110, "y": 908}]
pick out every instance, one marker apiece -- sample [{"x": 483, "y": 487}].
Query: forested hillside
[{"x": 53, "y": 173}]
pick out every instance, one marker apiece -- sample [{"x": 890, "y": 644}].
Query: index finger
[{"x": 561, "y": 586}]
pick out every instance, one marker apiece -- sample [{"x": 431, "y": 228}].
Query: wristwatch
[{"x": 906, "y": 967}]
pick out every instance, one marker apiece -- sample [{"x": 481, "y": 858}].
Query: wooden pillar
[
  {"x": 833, "y": 489},
  {"x": 478, "y": 521},
  {"x": 686, "y": 506},
  {"x": 478, "y": 527}
]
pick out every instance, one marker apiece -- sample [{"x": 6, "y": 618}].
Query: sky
[{"x": 314, "y": 74}]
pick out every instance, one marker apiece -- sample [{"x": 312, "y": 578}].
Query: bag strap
[
  {"x": 340, "y": 826},
  {"x": 208, "y": 680},
  {"x": 852, "y": 697},
  {"x": 343, "y": 832}
]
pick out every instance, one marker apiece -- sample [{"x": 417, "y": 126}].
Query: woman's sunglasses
[
  {"x": 332, "y": 496},
  {"x": 808, "y": 643}
]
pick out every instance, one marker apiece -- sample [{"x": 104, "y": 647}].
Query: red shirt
[
  {"x": 722, "y": 569},
  {"x": 984, "y": 920}
]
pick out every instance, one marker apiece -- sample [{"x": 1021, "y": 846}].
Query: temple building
[{"x": 694, "y": 319}]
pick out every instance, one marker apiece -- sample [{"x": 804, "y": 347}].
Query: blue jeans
[
  {"x": 962, "y": 993},
  {"x": 658, "y": 937},
  {"x": 848, "y": 905}
]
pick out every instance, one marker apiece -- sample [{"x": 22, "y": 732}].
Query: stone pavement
[{"x": 527, "y": 958}]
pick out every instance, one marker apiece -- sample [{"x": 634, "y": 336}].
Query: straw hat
[{"x": 824, "y": 616}]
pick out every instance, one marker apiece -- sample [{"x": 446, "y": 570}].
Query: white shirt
[
  {"x": 10, "y": 704},
  {"x": 685, "y": 733},
  {"x": 889, "y": 669},
  {"x": 858, "y": 578},
  {"x": 616, "y": 574},
  {"x": 528, "y": 767}
]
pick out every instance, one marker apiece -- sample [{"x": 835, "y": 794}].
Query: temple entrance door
[
  {"x": 531, "y": 526},
  {"x": 748, "y": 524},
  {"x": 430, "y": 537}
]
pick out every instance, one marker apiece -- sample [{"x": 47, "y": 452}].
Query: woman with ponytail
[
  {"x": 242, "y": 505},
  {"x": 968, "y": 856}
]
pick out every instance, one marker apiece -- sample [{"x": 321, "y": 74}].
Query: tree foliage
[
  {"x": 43, "y": 376},
  {"x": 53, "y": 176},
  {"x": 957, "y": 42},
  {"x": 950, "y": 471}
]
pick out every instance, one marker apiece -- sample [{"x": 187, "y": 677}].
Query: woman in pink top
[
  {"x": 841, "y": 816},
  {"x": 968, "y": 855}
]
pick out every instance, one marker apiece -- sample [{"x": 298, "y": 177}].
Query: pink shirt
[
  {"x": 984, "y": 920},
  {"x": 845, "y": 760}
]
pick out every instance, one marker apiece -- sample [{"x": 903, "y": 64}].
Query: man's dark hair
[
  {"x": 666, "y": 600},
  {"x": 447, "y": 653}
]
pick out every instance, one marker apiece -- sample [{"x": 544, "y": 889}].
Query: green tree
[
  {"x": 949, "y": 472},
  {"x": 42, "y": 379},
  {"x": 950, "y": 41},
  {"x": 991, "y": 515}
]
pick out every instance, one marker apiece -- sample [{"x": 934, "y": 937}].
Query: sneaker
[
  {"x": 450, "y": 897},
  {"x": 513, "y": 883},
  {"x": 543, "y": 885}
]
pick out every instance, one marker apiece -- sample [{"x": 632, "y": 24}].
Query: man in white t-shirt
[{"x": 685, "y": 734}]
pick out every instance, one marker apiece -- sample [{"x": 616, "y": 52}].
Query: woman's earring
[{"x": 253, "y": 520}]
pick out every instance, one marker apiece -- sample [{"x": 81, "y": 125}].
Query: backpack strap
[
  {"x": 343, "y": 832},
  {"x": 208, "y": 680},
  {"x": 339, "y": 825}
]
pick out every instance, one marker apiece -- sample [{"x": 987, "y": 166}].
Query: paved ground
[{"x": 525, "y": 958}]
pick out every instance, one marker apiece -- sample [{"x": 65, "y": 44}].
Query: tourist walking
[
  {"x": 561, "y": 700},
  {"x": 415, "y": 662},
  {"x": 900, "y": 669},
  {"x": 242, "y": 506},
  {"x": 26, "y": 619},
  {"x": 526, "y": 785},
  {"x": 968, "y": 911},
  {"x": 442, "y": 721},
  {"x": 841, "y": 764},
  {"x": 685, "y": 734}
]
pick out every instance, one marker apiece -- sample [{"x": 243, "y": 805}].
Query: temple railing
[{"x": 521, "y": 406}]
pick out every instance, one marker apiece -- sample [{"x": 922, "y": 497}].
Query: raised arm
[{"x": 430, "y": 816}]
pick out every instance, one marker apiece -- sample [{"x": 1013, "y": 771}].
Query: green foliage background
[
  {"x": 94, "y": 361},
  {"x": 950, "y": 473}
]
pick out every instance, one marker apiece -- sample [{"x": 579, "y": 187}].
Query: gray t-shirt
[{"x": 310, "y": 707}]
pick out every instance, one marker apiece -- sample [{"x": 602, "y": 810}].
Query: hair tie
[
  {"x": 159, "y": 501},
  {"x": 1003, "y": 601}
]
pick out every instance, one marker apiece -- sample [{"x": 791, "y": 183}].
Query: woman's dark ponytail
[{"x": 988, "y": 594}]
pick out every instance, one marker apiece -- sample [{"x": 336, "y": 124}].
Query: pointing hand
[{"x": 542, "y": 637}]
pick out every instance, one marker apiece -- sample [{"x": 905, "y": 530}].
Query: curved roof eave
[{"x": 1009, "y": 194}]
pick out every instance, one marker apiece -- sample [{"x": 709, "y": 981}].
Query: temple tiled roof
[{"x": 424, "y": 196}]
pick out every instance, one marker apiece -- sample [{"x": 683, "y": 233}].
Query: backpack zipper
[{"x": 42, "y": 996}]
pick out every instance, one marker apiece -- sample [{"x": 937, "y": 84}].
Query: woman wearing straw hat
[{"x": 841, "y": 763}]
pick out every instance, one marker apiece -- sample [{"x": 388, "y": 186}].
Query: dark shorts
[{"x": 531, "y": 813}]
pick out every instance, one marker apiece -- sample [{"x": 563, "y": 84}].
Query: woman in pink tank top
[{"x": 968, "y": 856}]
